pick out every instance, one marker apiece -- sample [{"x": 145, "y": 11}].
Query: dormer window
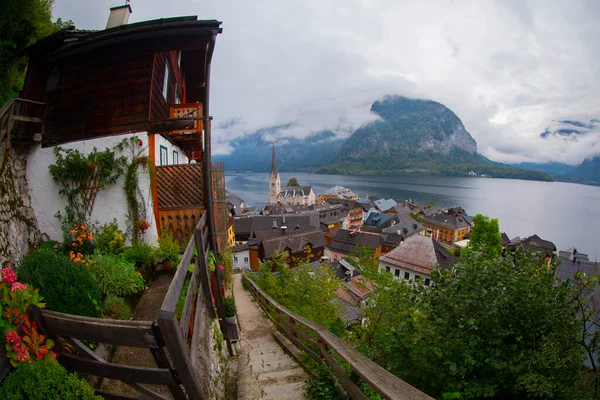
[{"x": 166, "y": 80}]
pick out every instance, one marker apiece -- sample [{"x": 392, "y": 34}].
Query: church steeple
[
  {"x": 274, "y": 180},
  {"x": 274, "y": 171}
]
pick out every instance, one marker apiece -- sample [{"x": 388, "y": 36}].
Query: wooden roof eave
[{"x": 154, "y": 32}]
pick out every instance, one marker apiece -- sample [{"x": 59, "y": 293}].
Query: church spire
[{"x": 274, "y": 171}]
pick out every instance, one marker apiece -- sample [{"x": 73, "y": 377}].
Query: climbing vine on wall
[
  {"x": 81, "y": 176},
  {"x": 136, "y": 207}
]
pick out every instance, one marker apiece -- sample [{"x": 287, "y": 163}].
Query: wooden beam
[{"x": 170, "y": 125}]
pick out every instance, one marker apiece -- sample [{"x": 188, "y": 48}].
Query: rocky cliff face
[{"x": 409, "y": 125}]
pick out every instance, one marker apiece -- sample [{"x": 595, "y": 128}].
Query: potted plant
[
  {"x": 167, "y": 250},
  {"x": 229, "y": 306}
]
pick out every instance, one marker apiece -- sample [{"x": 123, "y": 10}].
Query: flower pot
[
  {"x": 168, "y": 265},
  {"x": 231, "y": 320}
]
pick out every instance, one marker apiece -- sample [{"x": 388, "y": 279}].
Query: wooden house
[{"x": 149, "y": 80}]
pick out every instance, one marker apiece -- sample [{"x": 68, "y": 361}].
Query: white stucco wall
[
  {"x": 110, "y": 203},
  {"x": 401, "y": 271},
  {"x": 239, "y": 259},
  {"x": 161, "y": 141}
]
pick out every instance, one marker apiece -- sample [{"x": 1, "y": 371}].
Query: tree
[
  {"x": 22, "y": 22},
  {"x": 485, "y": 236},
  {"x": 304, "y": 290},
  {"x": 586, "y": 296},
  {"x": 293, "y": 182},
  {"x": 489, "y": 328}
]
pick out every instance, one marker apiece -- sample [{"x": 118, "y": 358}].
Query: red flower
[
  {"x": 140, "y": 143},
  {"x": 91, "y": 165},
  {"x": 8, "y": 276},
  {"x": 17, "y": 286}
]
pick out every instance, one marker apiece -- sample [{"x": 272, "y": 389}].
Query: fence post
[
  {"x": 171, "y": 333},
  {"x": 204, "y": 276}
]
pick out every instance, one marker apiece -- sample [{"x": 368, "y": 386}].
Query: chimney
[{"x": 119, "y": 15}]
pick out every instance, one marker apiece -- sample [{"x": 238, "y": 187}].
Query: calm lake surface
[{"x": 565, "y": 213}]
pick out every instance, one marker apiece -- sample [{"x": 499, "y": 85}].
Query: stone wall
[{"x": 19, "y": 230}]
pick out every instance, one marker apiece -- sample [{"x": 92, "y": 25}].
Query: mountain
[
  {"x": 417, "y": 136},
  {"x": 555, "y": 169},
  {"x": 253, "y": 152}
]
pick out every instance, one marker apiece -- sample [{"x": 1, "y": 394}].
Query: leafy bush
[
  {"x": 116, "y": 308},
  {"x": 40, "y": 380},
  {"x": 115, "y": 275},
  {"x": 141, "y": 255},
  {"x": 229, "y": 305},
  {"x": 168, "y": 248},
  {"x": 67, "y": 287},
  {"x": 182, "y": 296},
  {"x": 109, "y": 239}
]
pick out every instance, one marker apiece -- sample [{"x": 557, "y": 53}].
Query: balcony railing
[{"x": 189, "y": 139}]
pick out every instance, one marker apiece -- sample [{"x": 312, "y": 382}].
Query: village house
[
  {"x": 346, "y": 241},
  {"x": 337, "y": 192},
  {"x": 287, "y": 195},
  {"x": 534, "y": 244},
  {"x": 297, "y": 244},
  {"x": 415, "y": 258},
  {"x": 241, "y": 256},
  {"x": 353, "y": 210},
  {"x": 246, "y": 226},
  {"x": 385, "y": 206},
  {"x": 146, "y": 80},
  {"x": 447, "y": 228}
]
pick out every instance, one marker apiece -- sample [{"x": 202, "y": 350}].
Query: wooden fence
[
  {"x": 175, "y": 343},
  {"x": 326, "y": 348}
]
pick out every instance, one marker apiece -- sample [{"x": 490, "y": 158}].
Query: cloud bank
[{"x": 508, "y": 69}]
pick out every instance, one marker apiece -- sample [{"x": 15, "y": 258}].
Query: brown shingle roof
[
  {"x": 419, "y": 254},
  {"x": 345, "y": 240}
]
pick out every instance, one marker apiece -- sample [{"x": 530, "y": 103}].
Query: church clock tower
[{"x": 274, "y": 180}]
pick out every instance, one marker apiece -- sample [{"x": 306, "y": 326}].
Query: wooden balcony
[{"x": 190, "y": 139}]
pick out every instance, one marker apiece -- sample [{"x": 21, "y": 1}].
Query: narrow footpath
[{"x": 264, "y": 370}]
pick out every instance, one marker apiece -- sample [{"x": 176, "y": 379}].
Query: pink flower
[
  {"x": 8, "y": 276},
  {"x": 221, "y": 267},
  {"x": 13, "y": 337},
  {"x": 140, "y": 143},
  {"x": 17, "y": 286},
  {"x": 22, "y": 353}
]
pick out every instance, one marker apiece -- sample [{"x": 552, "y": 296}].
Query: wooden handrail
[{"x": 388, "y": 385}]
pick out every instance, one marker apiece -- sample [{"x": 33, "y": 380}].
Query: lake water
[{"x": 565, "y": 213}]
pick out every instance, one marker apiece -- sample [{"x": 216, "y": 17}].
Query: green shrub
[
  {"x": 115, "y": 275},
  {"x": 229, "y": 305},
  {"x": 109, "y": 239},
  {"x": 41, "y": 380},
  {"x": 181, "y": 300},
  {"x": 116, "y": 308},
  {"x": 67, "y": 287},
  {"x": 168, "y": 248},
  {"x": 141, "y": 255}
]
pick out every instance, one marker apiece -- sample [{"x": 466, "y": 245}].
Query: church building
[{"x": 287, "y": 195}]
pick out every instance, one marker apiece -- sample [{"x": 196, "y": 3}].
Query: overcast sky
[{"x": 507, "y": 68}]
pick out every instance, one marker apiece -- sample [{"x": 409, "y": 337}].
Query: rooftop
[{"x": 419, "y": 254}]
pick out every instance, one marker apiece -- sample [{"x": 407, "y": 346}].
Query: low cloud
[{"x": 507, "y": 68}]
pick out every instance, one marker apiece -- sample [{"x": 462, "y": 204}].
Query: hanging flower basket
[{"x": 143, "y": 225}]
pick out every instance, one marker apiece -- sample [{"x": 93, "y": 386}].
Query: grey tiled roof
[
  {"x": 419, "y": 254},
  {"x": 345, "y": 240},
  {"x": 447, "y": 220}
]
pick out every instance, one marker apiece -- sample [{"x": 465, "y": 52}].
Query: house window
[
  {"x": 177, "y": 97},
  {"x": 406, "y": 276},
  {"x": 235, "y": 259},
  {"x": 246, "y": 259},
  {"x": 397, "y": 273},
  {"x": 166, "y": 80},
  {"x": 427, "y": 281},
  {"x": 179, "y": 59},
  {"x": 387, "y": 269},
  {"x": 175, "y": 157},
  {"x": 164, "y": 156}
]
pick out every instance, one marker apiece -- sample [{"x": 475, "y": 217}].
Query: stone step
[
  {"x": 289, "y": 391},
  {"x": 288, "y": 375}
]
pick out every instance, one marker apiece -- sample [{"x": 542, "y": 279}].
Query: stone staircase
[{"x": 264, "y": 370}]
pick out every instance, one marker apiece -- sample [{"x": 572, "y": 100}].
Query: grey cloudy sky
[{"x": 507, "y": 68}]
